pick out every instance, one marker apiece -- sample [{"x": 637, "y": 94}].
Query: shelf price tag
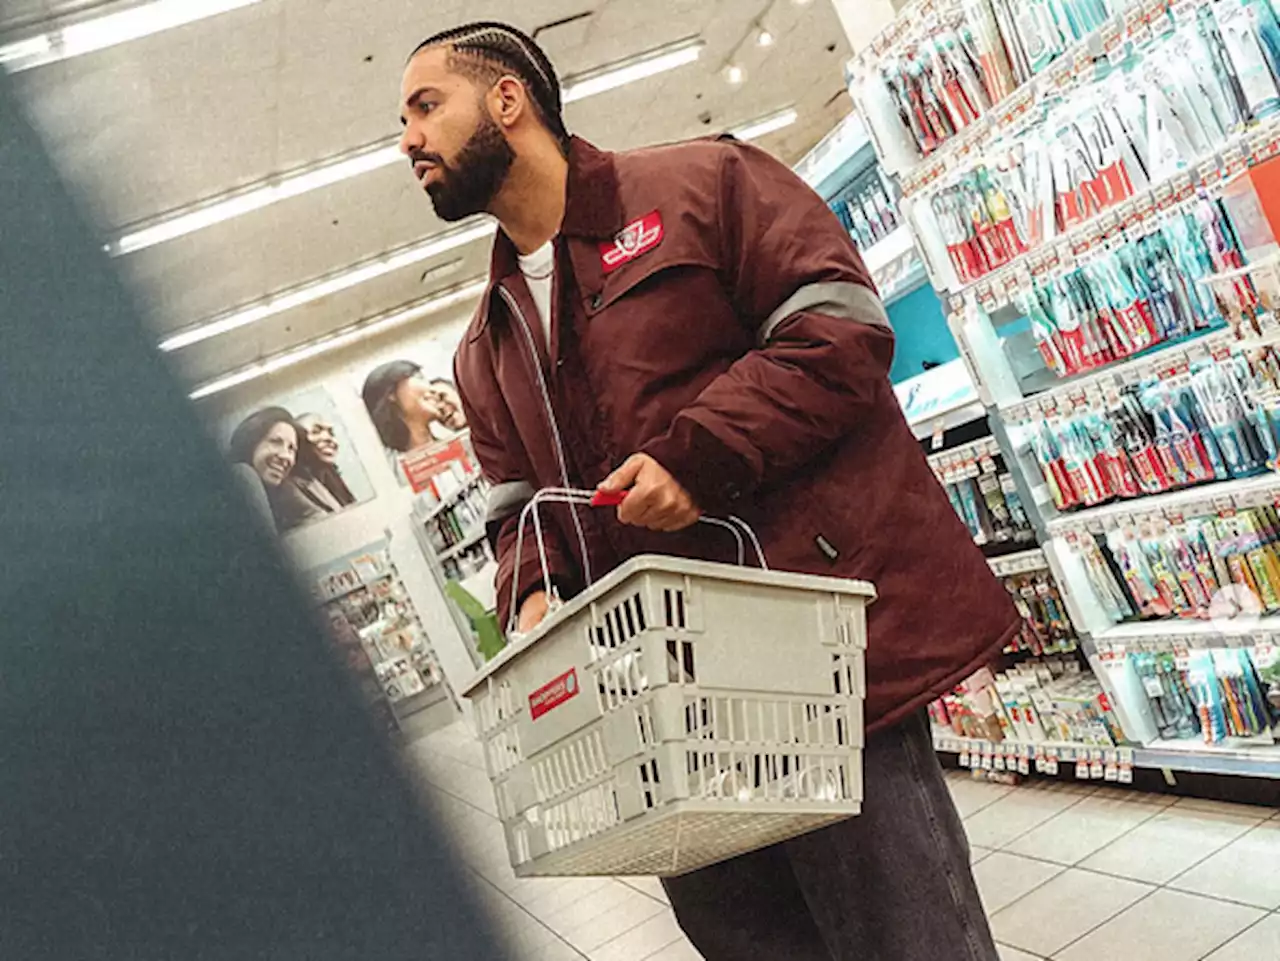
[
  {"x": 1096, "y": 768},
  {"x": 1124, "y": 773}
]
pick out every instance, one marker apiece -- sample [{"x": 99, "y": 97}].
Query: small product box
[{"x": 1252, "y": 200}]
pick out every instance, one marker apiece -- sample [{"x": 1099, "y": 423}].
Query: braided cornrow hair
[{"x": 486, "y": 50}]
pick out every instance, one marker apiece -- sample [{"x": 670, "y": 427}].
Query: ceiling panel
[
  {"x": 190, "y": 114},
  {"x": 21, "y": 17},
  {"x": 221, "y": 354},
  {"x": 281, "y": 246}
]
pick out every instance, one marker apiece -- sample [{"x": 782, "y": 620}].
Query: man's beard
[{"x": 468, "y": 185}]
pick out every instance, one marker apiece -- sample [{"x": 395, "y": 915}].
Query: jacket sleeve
[
  {"x": 824, "y": 345},
  {"x": 505, "y": 466}
]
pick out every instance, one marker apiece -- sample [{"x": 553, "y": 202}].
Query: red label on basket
[{"x": 550, "y": 696}]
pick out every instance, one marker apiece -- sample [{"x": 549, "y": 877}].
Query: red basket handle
[{"x": 608, "y": 498}]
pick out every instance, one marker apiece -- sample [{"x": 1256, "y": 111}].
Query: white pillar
[{"x": 863, "y": 19}]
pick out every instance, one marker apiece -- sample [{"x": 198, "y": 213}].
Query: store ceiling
[{"x": 159, "y": 124}]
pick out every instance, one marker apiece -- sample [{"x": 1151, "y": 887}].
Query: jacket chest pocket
[{"x": 662, "y": 310}]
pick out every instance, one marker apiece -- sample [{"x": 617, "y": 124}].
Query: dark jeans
[{"x": 892, "y": 884}]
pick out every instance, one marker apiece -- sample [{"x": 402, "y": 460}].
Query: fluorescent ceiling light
[
  {"x": 242, "y": 202},
  {"x": 632, "y": 69},
  {"x": 110, "y": 30},
  {"x": 385, "y": 154},
  {"x": 368, "y": 327},
  {"x": 766, "y": 125},
  {"x": 433, "y": 246}
]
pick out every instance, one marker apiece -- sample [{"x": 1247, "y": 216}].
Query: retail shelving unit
[
  {"x": 449, "y": 521},
  {"x": 374, "y": 624},
  {"x": 1017, "y": 388}
]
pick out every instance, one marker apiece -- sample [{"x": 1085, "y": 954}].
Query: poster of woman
[
  {"x": 296, "y": 463},
  {"x": 419, "y": 419}
]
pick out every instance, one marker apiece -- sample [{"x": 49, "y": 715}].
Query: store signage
[
  {"x": 636, "y": 238},
  {"x": 550, "y": 696},
  {"x": 421, "y": 466}
]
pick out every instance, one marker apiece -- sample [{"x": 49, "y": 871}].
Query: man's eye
[{"x": 426, "y": 106}]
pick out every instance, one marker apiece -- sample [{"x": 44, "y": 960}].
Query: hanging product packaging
[{"x": 1236, "y": 22}]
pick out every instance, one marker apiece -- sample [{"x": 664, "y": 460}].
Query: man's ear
[{"x": 509, "y": 101}]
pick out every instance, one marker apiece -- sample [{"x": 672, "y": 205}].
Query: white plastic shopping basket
[{"x": 676, "y": 714}]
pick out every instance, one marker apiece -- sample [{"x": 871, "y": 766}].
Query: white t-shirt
[{"x": 539, "y": 270}]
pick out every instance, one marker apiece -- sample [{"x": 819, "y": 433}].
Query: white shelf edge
[
  {"x": 1156, "y": 630},
  {"x": 1163, "y": 503},
  {"x": 1022, "y": 562},
  {"x": 1188, "y": 756},
  {"x": 898, "y": 243},
  {"x": 1207, "y": 341},
  {"x": 468, "y": 542}
]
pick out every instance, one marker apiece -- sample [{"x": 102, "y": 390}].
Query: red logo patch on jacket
[{"x": 635, "y": 239}]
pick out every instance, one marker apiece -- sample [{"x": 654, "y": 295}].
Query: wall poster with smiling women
[
  {"x": 419, "y": 419},
  {"x": 296, "y": 462}
]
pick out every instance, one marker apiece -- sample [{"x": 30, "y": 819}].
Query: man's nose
[{"x": 410, "y": 141}]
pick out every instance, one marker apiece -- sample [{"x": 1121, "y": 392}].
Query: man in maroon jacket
[{"x": 691, "y": 324}]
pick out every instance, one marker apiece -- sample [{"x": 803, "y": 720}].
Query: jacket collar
[{"x": 593, "y": 206}]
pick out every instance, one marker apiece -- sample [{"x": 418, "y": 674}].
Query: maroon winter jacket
[{"x": 710, "y": 311}]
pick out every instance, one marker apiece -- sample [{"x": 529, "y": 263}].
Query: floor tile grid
[
  {"x": 457, "y": 751},
  {"x": 468, "y": 753},
  {"x": 1108, "y": 874},
  {"x": 1155, "y": 887}
]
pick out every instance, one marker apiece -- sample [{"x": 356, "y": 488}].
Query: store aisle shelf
[
  {"x": 1022, "y": 562},
  {"x": 464, "y": 545},
  {"x": 943, "y": 396},
  {"x": 897, "y": 244},
  {"x": 1191, "y": 633},
  {"x": 450, "y": 499},
  {"x": 1107, "y": 763},
  {"x": 1144, "y": 209},
  {"x": 1076, "y": 62},
  {"x": 1167, "y": 356},
  {"x": 1192, "y": 501}
]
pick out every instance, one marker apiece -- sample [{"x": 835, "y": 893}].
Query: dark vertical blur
[{"x": 185, "y": 773}]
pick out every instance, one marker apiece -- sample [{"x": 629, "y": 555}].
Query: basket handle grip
[
  {"x": 598, "y": 498},
  {"x": 608, "y": 498}
]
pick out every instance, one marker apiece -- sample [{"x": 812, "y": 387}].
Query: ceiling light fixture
[
  {"x": 369, "y": 327},
  {"x": 766, "y": 125},
  {"x": 109, "y": 30},
  {"x": 647, "y": 64},
  {"x": 764, "y": 38},
  {"x": 242, "y": 202},
  {"x": 384, "y": 154},
  {"x": 308, "y": 293},
  {"x": 735, "y": 74}
]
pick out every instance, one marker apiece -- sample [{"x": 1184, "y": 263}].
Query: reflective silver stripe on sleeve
[
  {"x": 845, "y": 300},
  {"x": 507, "y": 499}
]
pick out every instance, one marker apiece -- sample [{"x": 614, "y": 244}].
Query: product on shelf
[
  {"x": 1205, "y": 694},
  {"x": 1217, "y": 420},
  {"x": 867, "y": 211},
  {"x": 983, "y": 494},
  {"x": 1047, "y": 627},
  {"x": 1132, "y": 295},
  {"x": 1196, "y": 569},
  {"x": 956, "y": 65},
  {"x": 373, "y": 620},
  {"x": 1046, "y": 700},
  {"x": 460, "y": 517}
]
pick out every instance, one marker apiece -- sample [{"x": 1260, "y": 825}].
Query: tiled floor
[{"x": 1068, "y": 872}]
